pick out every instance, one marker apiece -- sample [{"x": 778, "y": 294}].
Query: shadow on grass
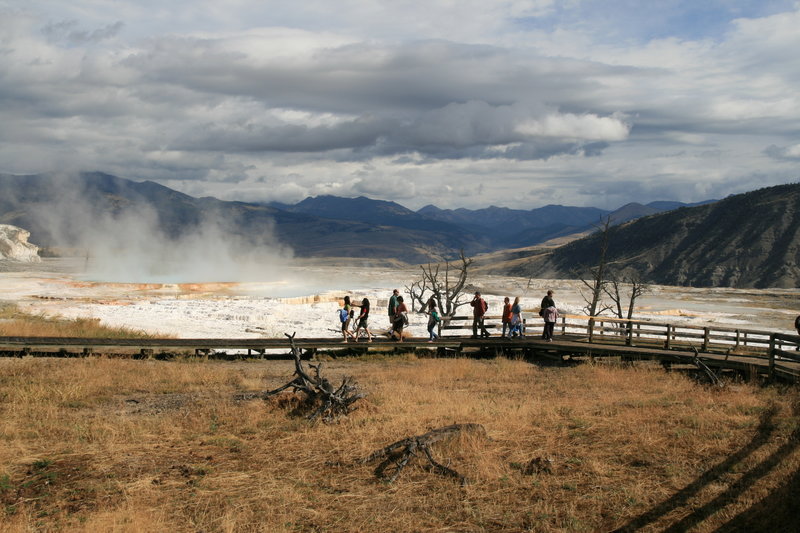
[{"x": 777, "y": 509}]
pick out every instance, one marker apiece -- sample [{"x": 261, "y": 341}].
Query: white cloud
[
  {"x": 572, "y": 126},
  {"x": 412, "y": 100}
]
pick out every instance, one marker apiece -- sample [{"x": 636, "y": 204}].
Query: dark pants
[
  {"x": 476, "y": 323},
  {"x": 548, "y": 330}
]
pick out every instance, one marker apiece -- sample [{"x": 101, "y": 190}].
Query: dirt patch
[{"x": 155, "y": 404}]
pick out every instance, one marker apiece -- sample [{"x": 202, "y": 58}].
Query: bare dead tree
[
  {"x": 625, "y": 291},
  {"x": 417, "y": 290},
  {"x": 328, "y": 403},
  {"x": 397, "y": 455},
  {"x": 597, "y": 281},
  {"x": 444, "y": 283}
]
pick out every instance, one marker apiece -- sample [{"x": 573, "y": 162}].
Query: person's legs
[{"x": 475, "y": 326}]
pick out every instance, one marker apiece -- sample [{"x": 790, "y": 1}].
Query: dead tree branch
[
  {"x": 710, "y": 374},
  {"x": 397, "y": 455},
  {"x": 444, "y": 283},
  {"x": 329, "y": 402}
]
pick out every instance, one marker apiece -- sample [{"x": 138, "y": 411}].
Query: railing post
[
  {"x": 667, "y": 343},
  {"x": 737, "y": 338},
  {"x": 563, "y": 325},
  {"x": 629, "y": 334},
  {"x": 706, "y": 332},
  {"x": 771, "y": 356},
  {"x": 590, "y": 328}
]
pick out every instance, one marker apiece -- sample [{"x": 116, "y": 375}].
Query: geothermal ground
[{"x": 304, "y": 299}]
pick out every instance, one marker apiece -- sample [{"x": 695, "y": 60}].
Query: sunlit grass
[
  {"x": 15, "y": 323},
  {"x": 108, "y": 444}
]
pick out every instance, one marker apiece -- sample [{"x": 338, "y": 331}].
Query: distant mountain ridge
[
  {"x": 57, "y": 212},
  {"x": 746, "y": 240}
]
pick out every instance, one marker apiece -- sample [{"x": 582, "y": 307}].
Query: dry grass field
[
  {"x": 100, "y": 444},
  {"x": 18, "y": 324}
]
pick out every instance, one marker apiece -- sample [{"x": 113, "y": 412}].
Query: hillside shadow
[{"x": 762, "y": 510}]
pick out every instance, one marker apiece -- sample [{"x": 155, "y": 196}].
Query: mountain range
[
  {"x": 58, "y": 210},
  {"x": 747, "y": 240}
]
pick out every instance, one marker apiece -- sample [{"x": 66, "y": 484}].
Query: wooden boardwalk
[{"x": 750, "y": 352}]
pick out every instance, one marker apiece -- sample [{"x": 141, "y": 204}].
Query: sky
[{"x": 470, "y": 103}]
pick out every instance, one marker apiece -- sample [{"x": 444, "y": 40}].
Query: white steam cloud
[{"x": 122, "y": 240}]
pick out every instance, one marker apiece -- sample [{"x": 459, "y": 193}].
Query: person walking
[
  {"x": 346, "y": 316},
  {"x": 433, "y": 320},
  {"x": 506, "y": 317},
  {"x": 400, "y": 320},
  {"x": 549, "y": 313},
  {"x": 479, "y": 308},
  {"x": 392, "y": 310},
  {"x": 361, "y": 321},
  {"x": 516, "y": 319}
]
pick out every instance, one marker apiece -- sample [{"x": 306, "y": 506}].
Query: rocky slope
[
  {"x": 746, "y": 240},
  {"x": 14, "y": 245}
]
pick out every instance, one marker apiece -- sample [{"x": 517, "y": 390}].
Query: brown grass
[
  {"x": 117, "y": 445},
  {"x": 14, "y": 323}
]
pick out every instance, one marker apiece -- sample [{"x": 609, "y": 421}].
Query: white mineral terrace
[{"x": 306, "y": 299}]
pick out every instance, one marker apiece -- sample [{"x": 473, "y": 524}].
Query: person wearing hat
[{"x": 479, "y": 307}]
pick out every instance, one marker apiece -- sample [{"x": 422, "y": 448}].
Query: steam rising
[
  {"x": 125, "y": 239},
  {"x": 135, "y": 250}
]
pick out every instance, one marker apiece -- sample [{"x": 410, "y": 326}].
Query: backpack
[
  {"x": 484, "y": 306},
  {"x": 405, "y": 318},
  {"x": 343, "y": 315}
]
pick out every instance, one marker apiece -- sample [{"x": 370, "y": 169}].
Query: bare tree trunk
[
  {"x": 598, "y": 281},
  {"x": 636, "y": 288}
]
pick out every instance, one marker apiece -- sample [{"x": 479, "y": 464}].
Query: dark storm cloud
[
  {"x": 368, "y": 78},
  {"x": 69, "y": 32},
  {"x": 787, "y": 153}
]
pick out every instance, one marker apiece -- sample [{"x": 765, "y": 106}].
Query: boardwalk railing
[
  {"x": 638, "y": 332},
  {"x": 775, "y": 353},
  {"x": 783, "y": 351}
]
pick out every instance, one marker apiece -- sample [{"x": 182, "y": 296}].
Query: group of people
[
  {"x": 511, "y": 317},
  {"x": 359, "y": 324},
  {"x": 513, "y": 325}
]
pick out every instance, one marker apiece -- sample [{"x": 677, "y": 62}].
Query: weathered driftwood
[
  {"x": 710, "y": 374},
  {"x": 399, "y": 454},
  {"x": 331, "y": 402}
]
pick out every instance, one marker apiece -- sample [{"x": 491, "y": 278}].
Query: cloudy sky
[{"x": 517, "y": 103}]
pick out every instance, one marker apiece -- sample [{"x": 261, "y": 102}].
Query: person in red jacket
[
  {"x": 506, "y": 318},
  {"x": 479, "y": 307}
]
